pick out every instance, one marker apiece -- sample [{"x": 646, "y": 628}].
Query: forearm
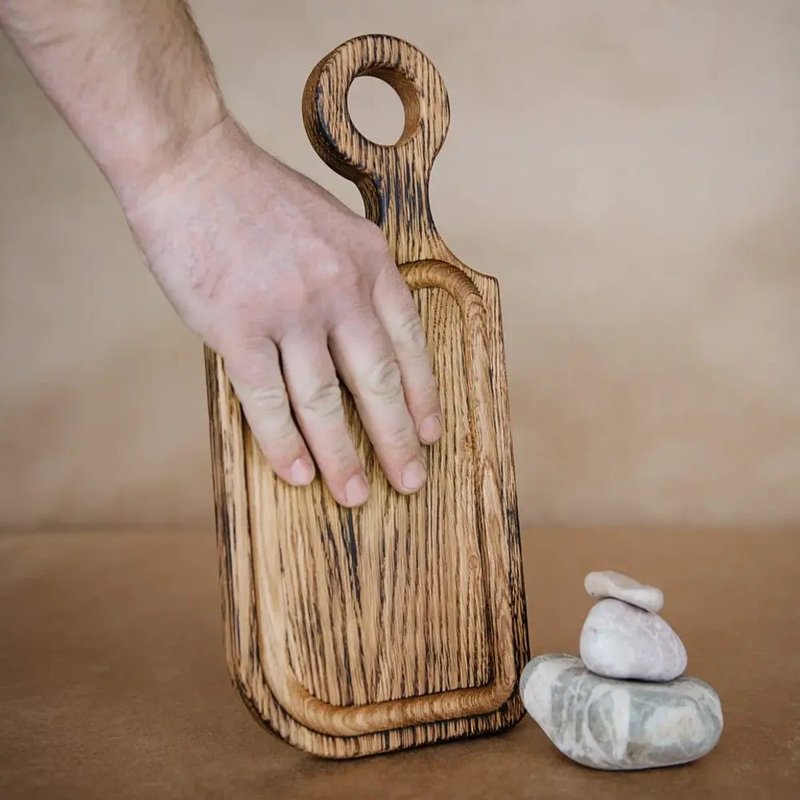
[
  {"x": 292, "y": 289},
  {"x": 131, "y": 77}
]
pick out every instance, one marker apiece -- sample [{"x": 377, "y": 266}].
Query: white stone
[
  {"x": 609, "y": 583},
  {"x": 619, "y": 640},
  {"x": 620, "y": 725}
]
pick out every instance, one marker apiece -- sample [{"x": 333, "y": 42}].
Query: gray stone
[
  {"x": 609, "y": 583},
  {"x": 619, "y": 640},
  {"x": 620, "y": 725}
]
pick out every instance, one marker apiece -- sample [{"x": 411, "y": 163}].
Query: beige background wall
[{"x": 630, "y": 172}]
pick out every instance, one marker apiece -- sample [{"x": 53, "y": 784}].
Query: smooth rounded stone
[
  {"x": 619, "y": 640},
  {"x": 620, "y": 725},
  {"x": 609, "y": 583}
]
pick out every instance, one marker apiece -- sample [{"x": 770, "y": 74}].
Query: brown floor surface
[{"x": 113, "y": 681}]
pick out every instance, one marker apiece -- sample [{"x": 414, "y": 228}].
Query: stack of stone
[{"x": 622, "y": 705}]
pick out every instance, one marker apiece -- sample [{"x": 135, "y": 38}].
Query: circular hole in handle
[
  {"x": 376, "y": 109},
  {"x": 409, "y": 97}
]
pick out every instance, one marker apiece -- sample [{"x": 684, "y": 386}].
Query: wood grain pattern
[{"x": 352, "y": 632}]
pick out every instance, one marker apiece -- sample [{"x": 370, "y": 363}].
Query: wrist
[
  {"x": 196, "y": 177},
  {"x": 146, "y": 156}
]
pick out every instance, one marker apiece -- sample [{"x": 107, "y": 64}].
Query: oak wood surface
[{"x": 351, "y": 632}]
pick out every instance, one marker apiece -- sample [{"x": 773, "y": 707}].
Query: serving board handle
[{"x": 392, "y": 179}]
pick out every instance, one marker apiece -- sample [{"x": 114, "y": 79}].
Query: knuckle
[
  {"x": 384, "y": 380},
  {"x": 316, "y": 255},
  {"x": 324, "y": 401},
  {"x": 398, "y": 438},
  {"x": 410, "y": 334},
  {"x": 336, "y": 275},
  {"x": 282, "y": 438},
  {"x": 270, "y": 400},
  {"x": 341, "y": 453},
  {"x": 330, "y": 266},
  {"x": 429, "y": 396}
]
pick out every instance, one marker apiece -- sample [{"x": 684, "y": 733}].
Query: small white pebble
[
  {"x": 619, "y": 640},
  {"x": 609, "y": 583}
]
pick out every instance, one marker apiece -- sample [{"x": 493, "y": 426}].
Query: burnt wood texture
[{"x": 400, "y": 623}]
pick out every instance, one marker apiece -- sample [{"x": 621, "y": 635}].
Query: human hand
[{"x": 291, "y": 287}]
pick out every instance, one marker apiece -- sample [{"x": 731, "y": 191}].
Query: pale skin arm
[{"x": 289, "y": 286}]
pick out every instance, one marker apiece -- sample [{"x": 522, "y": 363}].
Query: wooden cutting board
[{"x": 402, "y": 622}]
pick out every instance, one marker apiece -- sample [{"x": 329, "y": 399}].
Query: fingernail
[
  {"x": 301, "y": 472},
  {"x": 356, "y": 491},
  {"x": 430, "y": 429},
  {"x": 413, "y": 475}
]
